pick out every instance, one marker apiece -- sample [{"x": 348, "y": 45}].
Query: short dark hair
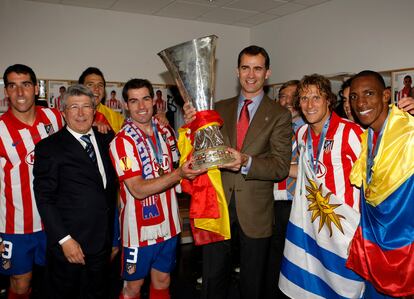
[
  {"x": 19, "y": 69},
  {"x": 345, "y": 84},
  {"x": 322, "y": 84},
  {"x": 253, "y": 51},
  {"x": 137, "y": 84},
  {"x": 369, "y": 73},
  {"x": 91, "y": 71},
  {"x": 77, "y": 90},
  {"x": 288, "y": 84}
]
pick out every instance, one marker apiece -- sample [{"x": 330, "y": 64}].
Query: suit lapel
[
  {"x": 230, "y": 121},
  {"x": 102, "y": 151},
  {"x": 103, "y": 141},
  {"x": 79, "y": 151},
  {"x": 72, "y": 142},
  {"x": 258, "y": 123}
]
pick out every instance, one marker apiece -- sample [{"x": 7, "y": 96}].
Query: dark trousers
[
  {"x": 73, "y": 281},
  {"x": 217, "y": 263},
  {"x": 282, "y": 212}
]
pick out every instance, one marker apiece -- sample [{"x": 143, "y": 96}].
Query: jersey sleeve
[
  {"x": 124, "y": 157},
  {"x": 354, "y": 142}
]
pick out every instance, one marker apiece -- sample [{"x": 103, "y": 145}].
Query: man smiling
[
  {"x": 260, "y": 131},
  {"x": 324, "y": 213},
  {"x": 22, "y": 239},
  {"x": 382, "y": 250},
  {"x": 75, "y": 189},
  {"x": 145, "y": 155}
]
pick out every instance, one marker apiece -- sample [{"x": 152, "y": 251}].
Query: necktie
[
  {"x": 243, "y": 123},
  {"x": 291, "y": 182},
  {"x": 89, "y": 148}
]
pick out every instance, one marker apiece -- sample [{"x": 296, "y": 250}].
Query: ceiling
[{"x": 244, "y": 13}]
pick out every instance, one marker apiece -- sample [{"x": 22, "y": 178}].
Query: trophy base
[{"x": 211, "y": 157}]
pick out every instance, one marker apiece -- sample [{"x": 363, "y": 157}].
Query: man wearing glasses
[{"x": 74, "y": 185}]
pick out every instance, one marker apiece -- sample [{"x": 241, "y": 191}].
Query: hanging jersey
[{"x": 18, "y": 211}]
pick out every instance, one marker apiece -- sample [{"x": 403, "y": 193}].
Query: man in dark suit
[
  {"x": 260, "y": 131},
  {"x": 75, "y": 190}
]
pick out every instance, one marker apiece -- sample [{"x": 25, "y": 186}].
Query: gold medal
[
  {"x": 367, "y": 192},
  {"x": 160, "y": 171}
]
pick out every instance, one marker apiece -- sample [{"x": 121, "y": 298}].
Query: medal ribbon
[
  {"x": 372, "y": 151},
  {"x": 157, "y": 147},
  {"x": 314, "y": 162}
]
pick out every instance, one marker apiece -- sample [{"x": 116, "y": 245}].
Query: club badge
[
  {"x": 328, "y": 145},
  {"x": 49, "y": 129},
  {"x": 131, "y": 268},
  {"x": 5, "y": 263},
  {"x": 125, "y": 163}
]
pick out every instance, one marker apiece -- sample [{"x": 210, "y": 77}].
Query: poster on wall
[
  {"x": 4, "y": 103},
  {"x": 160, "y": 98},
  {"x": 272, "y": 91},
  {"x": 168, "y": 100},
  {"x": 401, "y": 84},
  {"x": 113, "y": 91},
  {"x": 55, "y": 91}
]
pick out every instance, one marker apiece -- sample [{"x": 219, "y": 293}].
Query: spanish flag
[
  {"x": 382, "y": 250},
  {"x": 209, "y": 215}
]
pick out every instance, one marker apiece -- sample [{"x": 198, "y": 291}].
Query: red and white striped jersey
[
  {"x": 113, "y": 104},
  {"x": 160, "y": 105},
  {"x": 341, "y": 148},
  {"x": 57, "y": 101},
  {"x": 18, "y": 211},
  {"x": 128, "y": 162}
]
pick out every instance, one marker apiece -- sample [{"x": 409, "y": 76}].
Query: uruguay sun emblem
[{"x": 320, "y": 207}]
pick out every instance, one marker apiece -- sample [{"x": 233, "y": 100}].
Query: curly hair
[{"x": 322, "y": 84}]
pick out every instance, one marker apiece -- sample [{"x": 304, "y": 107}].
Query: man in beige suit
[{"x": 262, "y": 156}]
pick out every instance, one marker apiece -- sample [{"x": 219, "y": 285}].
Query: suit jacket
[
  {"x": 70, "y": 194},
  {"x": 268, "y": 142}
]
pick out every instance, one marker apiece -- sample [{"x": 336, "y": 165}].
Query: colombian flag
[
  {"x": 209, "y": 215},
  {"x": 382, "y": 250}
]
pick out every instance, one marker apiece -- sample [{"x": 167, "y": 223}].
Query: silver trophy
[{"x": 192, "y": 66}]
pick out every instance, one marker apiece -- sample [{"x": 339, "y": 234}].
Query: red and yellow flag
[{"x": 209, "y": 216}]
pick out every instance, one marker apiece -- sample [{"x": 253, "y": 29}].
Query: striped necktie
[
  {"x": 291, "y": 182},
  {"x": 89, "y": 148}
]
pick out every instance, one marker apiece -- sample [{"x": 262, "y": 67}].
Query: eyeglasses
[{"x": 76, "y": 107}]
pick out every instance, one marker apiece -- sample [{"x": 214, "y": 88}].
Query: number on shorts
[
  {"x": 133, "y": 253},
  {"x": 8, "y": 249}
]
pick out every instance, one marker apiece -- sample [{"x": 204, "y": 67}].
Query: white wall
[
  {"x": 340, "y": 36},
  {"x": 59, "y": 42}
]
